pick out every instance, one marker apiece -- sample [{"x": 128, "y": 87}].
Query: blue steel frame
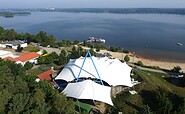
[{"x": 88, "y": 53}]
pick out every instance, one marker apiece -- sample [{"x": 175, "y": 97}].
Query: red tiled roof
[
  {"x": 10, "y": 58},
  {"x": 27, "y": 56},
  {"x": 45, "y": 75}
]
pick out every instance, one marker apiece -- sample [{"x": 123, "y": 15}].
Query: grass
[
  {"x": 31, "y": 48},
  {"x": 154, "y": 80},
  {"x": 34, "y": 72},
  {"x": 151, "y": 82}
]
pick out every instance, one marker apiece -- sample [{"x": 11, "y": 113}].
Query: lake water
[{"x": 148, "y": 35}]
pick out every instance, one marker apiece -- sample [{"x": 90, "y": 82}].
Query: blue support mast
[{"x": 88, "y": 53}]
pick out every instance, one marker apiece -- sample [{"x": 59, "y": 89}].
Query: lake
[{"x": 148, "y": 35}]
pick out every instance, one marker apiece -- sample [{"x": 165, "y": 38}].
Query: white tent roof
[
  {"x": 113, "y": 71},
  {"x": 89, "y": 90}
]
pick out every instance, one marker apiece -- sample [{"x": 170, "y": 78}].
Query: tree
[
  {"x": 75, "y": 42},
  {"x": 63, "y": 58},
  {"x": 114, "y": 49},
  {"x": 28, "y": 65},
  {"x": 164, "y": 105},
  {"x": 19, "y": 49},
  {"x": 59, "y": 101},
  {"x": 18, "y": 103},
  {"x": 97, "y": 49},
  {"x": 140, "y": 63},
  {"x": 41, "y": 60},
  {"x": 146, "y": 110},
  {"x": 48, "y": 59},
  {"x": 127, "y": 58},
  {"x": 44, "y": 52},
  {"x": 176, "y": 69}
]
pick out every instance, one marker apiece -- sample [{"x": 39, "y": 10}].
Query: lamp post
[
  {"x": 133, "y": 56},
  {"x": 122, "y": 54}
]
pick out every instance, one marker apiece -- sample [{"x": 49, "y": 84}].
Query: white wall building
[
  {"x": 4, "y": 54},
  {"x": 13, "y": 44}
]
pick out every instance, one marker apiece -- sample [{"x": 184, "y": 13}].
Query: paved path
[
  {"x": 157, "y": 71},
  {"x": 50, "y": 50}
]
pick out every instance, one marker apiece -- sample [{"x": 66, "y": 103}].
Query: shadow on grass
[{"x": 149, "y": 98}]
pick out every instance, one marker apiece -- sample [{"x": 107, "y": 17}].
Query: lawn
[
  {"x": 34, "y": 72},
  {"x": 150, "y": 84},
  {"x": 31, "y": 48}
]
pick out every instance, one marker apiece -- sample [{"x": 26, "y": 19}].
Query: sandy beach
[{"x": 149, "y": 62}]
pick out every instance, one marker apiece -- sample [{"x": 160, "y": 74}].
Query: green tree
[
  {"x": 75, "y": 42},
  {"x": 48, "y": 59},
  {"x": 140, "y": 63},
  {"x": 41, "y": 60},
  {"x": 63, "y": 58},
  {"x": 54, "y": 55},
  {"x": 74, "y": 53},
  {"x": 28, "y": 65},
  {"x": 127, "y": 58},
  {"x": 97, "y": 49},
  {"x": 176, "y": 69},
  {"x": 4, "y": 98},
  {"x": 44, "y": 52},
  {"x": 18, "y": 103},
  {"x": 114, "y": 49},
  {"x": 19, "y": 49},
  {"x": 59, "y": 101},
  {"x": 146, "y": 110},
  {"x": 164, "y": 105}
]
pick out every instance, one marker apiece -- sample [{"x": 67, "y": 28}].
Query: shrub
[
  {"x": 28, "y": 65},
  {"x": 140, "y": 63},
  {"x": 127, "y": 58}
]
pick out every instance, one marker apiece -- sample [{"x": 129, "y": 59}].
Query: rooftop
[
  {"x": 9, "y": 58},
  {"x": 13, "y": 42},
  {"x": 45, "y": 75},
  {"x": 27, "y": 56}
]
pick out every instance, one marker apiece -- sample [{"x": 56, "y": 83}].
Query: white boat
[
  {"x": 95, "y": 40},
  {"x": 180, "y": 44}
]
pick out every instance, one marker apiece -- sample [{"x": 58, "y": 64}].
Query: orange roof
[
  {"x": 10, "y": 58},
  {"x": 27, "y": 56},
  {"x": 45, "y": 75}
]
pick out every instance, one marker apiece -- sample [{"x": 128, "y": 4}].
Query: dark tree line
[
  {"x": 42, "y": 37},
  {"x": 20, "y": 94}
]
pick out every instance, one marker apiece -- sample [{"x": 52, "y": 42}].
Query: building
[
  {"x": 13, "y": 44},
  {"x": 45, "y": 75},
  {"x": 4, "y": 54},
  {"x": 93, "y": 78},
  {"x": 28, "y": 57}
]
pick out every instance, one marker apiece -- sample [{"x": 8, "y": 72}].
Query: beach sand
[{"x": 149, "y": 62}]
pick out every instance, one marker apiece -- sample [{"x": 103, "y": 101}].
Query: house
[
  {"x": 45, "y": 75},
  {"x": 4, "y": 54},
  {"x": 28, "y": 57},
  {"x": 13, "y": 44},
  {"x": 10, "y": 58}
]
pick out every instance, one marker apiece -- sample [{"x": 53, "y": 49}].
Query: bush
[
  {"x": 114, "y": 49},
  {"x": 19, "y": 49},
  {"x": 28, "y": 65},
  {"x": 97, "y": 49},
  {"x": 127, "y": 58},
  {"x": 44, "y": 52},
  {"x": 176, "y": 69},
  {"x": 140, "y": 63}
]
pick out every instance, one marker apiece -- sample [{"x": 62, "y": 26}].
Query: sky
[{"x": 92, "y": 4}]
